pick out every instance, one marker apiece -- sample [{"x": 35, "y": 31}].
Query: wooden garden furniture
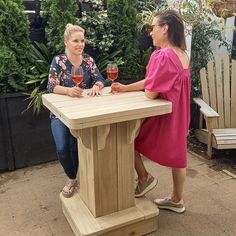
[
  {"x": 218, "y": 104},
  {"x": 106, "y": 127}
]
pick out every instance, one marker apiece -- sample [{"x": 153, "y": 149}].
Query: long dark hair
[{"x": 175, "y": 27}]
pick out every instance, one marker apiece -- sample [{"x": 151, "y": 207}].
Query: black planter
[{"x": 25, "y": 138}]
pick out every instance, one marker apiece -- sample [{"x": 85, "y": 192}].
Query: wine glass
[
  {"x": 77, "y": 74},
  {"x": 112, "y": 71}
]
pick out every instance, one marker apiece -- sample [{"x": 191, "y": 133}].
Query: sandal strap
[{"x": 71, "y": 183}]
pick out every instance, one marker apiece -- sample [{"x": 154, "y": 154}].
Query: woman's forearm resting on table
[
  {"x": 61, "y": 90},
  {"x": 137, "y": 86},
  {"x": 151, "y": 95},
  {"x": 69, "y": 91}
]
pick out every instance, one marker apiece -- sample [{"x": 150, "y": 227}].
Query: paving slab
[{"x": 29, "y": 201}]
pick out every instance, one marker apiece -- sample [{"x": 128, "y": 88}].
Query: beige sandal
[{"x": 70, "y": 186}]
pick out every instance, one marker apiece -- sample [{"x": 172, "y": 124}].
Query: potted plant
[
  {"x": 25, "y": 138},
  {"x": 223, "y": 8}
]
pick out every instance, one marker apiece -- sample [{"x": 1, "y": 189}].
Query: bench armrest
[{"x": 205, "y": 109}]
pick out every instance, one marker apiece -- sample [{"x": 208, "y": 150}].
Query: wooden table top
[{"x": 86, "y": 111}]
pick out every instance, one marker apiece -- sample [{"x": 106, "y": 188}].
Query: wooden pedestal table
[{"x": 106, "y": 127}]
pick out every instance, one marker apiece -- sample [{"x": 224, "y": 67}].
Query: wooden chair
[{"x": 218, "y": 104}]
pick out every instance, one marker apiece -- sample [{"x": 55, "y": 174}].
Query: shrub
[
  {"x": 201, "y": 50},
  {"x": 15, "y": 46},
  {"x": 123, "y": 23},
  {"x": 97, "y": 28},
  {"x": 58, "y": 13}
]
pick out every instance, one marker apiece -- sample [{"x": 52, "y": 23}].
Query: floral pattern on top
[{"x": 60, "y": 73}]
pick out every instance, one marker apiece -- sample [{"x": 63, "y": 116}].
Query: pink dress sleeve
[{"x": 161, "y": 73}]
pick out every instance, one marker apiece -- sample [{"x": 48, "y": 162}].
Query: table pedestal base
[{"x": 138, "y": 220}]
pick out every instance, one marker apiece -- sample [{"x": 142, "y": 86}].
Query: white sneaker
[{"x": 166, "y": 203}]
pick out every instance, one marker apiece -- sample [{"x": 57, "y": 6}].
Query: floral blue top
[{"x": 60, "y": 73}]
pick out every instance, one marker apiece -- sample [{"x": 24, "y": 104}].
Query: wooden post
[
  {"x": 209, "y": 122},
  {"x": 107, "y": 184}
]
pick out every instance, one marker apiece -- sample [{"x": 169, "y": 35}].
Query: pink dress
[{"x": 163, "y": 139}]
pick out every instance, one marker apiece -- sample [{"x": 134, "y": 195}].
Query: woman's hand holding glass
[
  {"x": 112, "y": 72},
  {"x": 118, "y": 87},
  {"x": 77, "y": 75},
  {"x": 74, "y": 91}
]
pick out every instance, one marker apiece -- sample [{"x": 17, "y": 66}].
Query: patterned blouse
[{"x": 60, "y": 73}]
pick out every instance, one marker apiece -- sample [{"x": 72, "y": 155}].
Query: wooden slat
[
  {"x": 85, "y": 172},
  {"x": 85, "y": 112},
  {"x": 230, "y": 139},
  {"x": 226, "y": 83},
  {"x": 140, "y": 228},
  {"x": 93, "y": 111},
  {"x": 204, "y": 86},
  {"x": 226, "y": 142},
  {"x": 224, "y": 136},
  {"x": 233, "y": 95},
  {"x": 205, "y": 108},
  {"x": 105, "y": 175},
  {"x": 125, "y": 167},
  {"x": 219, "y": 91},
  {"x": 226, "y": 146},
  {"x": 212, "y": 89},
  {"x": 99, "y": 196},
  {"x": 224, "y": 131},
  {"x": 202, "y": 136}
]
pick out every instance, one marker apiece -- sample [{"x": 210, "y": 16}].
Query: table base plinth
[{"x": 138, "y": 220}]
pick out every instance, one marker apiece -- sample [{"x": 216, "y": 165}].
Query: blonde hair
[{"x": 71, "y": 29}]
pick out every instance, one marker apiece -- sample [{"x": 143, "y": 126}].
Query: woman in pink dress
[{"x": 163, "y": 139}]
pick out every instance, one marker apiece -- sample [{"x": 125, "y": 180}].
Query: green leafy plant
[
  {"x": 147, "y": 13},
  {"x": 123, "y": 22},
  {"x": 201, "y": 51},
  {"x": 58, "y": 13},
  {"x": 38, "y": 77},
  {"x": 11, "y": 77},
  {"x": 102, "y": 61},
  {"x": 15, "y": 46},
  {"x": 97, "y": 28}
]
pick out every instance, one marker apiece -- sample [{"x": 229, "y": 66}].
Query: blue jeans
[{"x": 66, "y": 146}]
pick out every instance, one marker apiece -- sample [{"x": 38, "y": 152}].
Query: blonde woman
[{"x": 60, "y": 82}]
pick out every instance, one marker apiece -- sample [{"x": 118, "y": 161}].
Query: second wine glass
[
  {"x": 112, "y": 71},
  {"x": 77, "y": 74}
]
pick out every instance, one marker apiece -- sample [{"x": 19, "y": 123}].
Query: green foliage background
[
  {"x": 113, "y": 29},
  {"x": 122, "y": 15},
  {"x": 201, "y": 50},
  {"x": 14, "y": 46},
  {"x": 58, "y": 13}
]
